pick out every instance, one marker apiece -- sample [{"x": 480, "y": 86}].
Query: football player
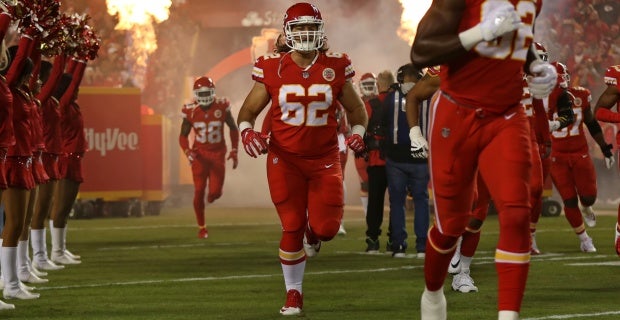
[
  {"x": 608, "y": 99},
  {"x": 303, "y": 163},
  {"x": 207, "y": 115},
  {"x": 479, "y": 125},
  {"x": 572, "y": 170}
]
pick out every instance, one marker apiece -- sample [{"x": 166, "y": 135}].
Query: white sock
[
  {"x": 465, "y": 263},
  {"x": 22, "y": 257},
  {"x": 583, "y": 236},
  {"x": 508, "y": 315},
  {"x": 294, "y": 275}
]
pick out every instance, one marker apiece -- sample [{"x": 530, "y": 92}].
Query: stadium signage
[{"x": 111, "y": 139}]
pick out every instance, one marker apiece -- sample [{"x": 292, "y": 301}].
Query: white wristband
[
  {"x": 359, "y": 130},
  {"x": 245, "y": 125},
  {"x": 471, "y": 37},
  {"x": 415, "y": 132}
]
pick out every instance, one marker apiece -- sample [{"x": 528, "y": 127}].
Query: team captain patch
[{"x": 329, "y": 74}]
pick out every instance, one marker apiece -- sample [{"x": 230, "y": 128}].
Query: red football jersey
[
  {"x": 612, "y": 78},
  {"x": 22, "y": 117},
  {"x": 572, "y": 138},
  {"x": 489, "y": 75},
  {"x": 52, "y": 133},
  {"x": 7, "y": 134},
  {"x": 208, "y": 124},
  {"x": 303, "y": 101}
]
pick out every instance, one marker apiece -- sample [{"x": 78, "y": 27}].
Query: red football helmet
[
  {"x": 297, "y": 38},
  {"x": 204, "y": 91},
  {"x": 541, "y": 51},
  {"x": 563, "y": 76},
  {"x": 368, "y": 84}
]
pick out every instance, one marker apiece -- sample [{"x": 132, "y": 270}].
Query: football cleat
[
  {"x": 617, "y": 240},
  {"x": 294, "y": 303},
  {"x": 534, "y": 249},
  {"x": 455, "y": 263},
  {"x": 588, "y": 216},
  {"x": 587, "y": 245},
  {"x": 463, "y": 282},
  {"x": 203, "y": 233},
  {"x": 311, "y": 249},
  {"x": 341, "y": 230}
]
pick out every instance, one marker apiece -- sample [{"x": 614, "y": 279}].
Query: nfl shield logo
[{"x": 445, "y": 132}]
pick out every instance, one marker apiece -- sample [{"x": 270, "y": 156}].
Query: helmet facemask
[
  {"x": 368, "y": 87},
  {"x": 204, "y": 96},
  {"x": 304, "y": 40}
]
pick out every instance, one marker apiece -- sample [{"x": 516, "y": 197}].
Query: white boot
[
  {"x": 23, "y": 270},
  {"x": 58, "y": 254},
  {"x": 12, "y": 289},
  {"x": 64, "y": 247},
  {"x": 40, "y": 259}
]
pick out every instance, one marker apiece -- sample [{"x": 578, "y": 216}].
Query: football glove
[
  {"x": 609, "y": 156},
  {"x": 254, "y": 142},
  {"x": 191, "y": 155},
  {"x": 233, "y": 155},
  {"x": 499, "y": 20},
  {"x": 544, "y": 79},
  {"x": 356, "y": 143},
  {"x": 419, "y": 146}
]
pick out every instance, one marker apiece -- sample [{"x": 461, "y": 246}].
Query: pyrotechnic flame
[
  {"x": 139, "y": 18},
  {"x": 413, "y": 11}
]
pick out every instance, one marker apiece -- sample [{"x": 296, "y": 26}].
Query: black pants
[{"x": 377, "y": 185}]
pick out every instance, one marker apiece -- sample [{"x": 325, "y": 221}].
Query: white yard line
[{"x": 577, "y": 315}]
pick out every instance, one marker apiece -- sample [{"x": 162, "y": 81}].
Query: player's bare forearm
[
  {"x": 254, "y": 103},
  {"x": 437, "y": 39},
  {"x": 353, "y": 105},
  {"x": 412, "y": 105}
]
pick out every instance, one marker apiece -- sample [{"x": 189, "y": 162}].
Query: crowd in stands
[{"x": 585, "y": 35}]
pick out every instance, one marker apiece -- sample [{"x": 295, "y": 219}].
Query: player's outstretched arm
[{"x": 608, "y": 99}]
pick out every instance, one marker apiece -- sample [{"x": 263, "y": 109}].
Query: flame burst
[
  {"x": 139, "y": 17},
  {"x": 413, "y": 11}
]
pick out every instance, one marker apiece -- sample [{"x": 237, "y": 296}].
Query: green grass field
[{"x": 155, "y": 268}]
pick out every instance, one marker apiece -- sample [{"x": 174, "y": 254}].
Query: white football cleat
[
  {"x": 588, "y": 216},
  {"x": 311, "y": 249},
  {"x": 463, "y": 282},
  {"x": 587, "y": 245},
  {"x": 433, "y": 305},
  {"x": 341, "y": 230}
]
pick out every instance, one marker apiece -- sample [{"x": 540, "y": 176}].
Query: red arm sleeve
[
  {"x": 184, "y": 143},
  {"x": 26, "y": 44},
  {"x": 50, "y": 85},
  {"x": 35, "y": 56},
  {"x": 606, "y": 115},
  {"x": 78, "y": 73},
  {"x": 234, "y": 139}
]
